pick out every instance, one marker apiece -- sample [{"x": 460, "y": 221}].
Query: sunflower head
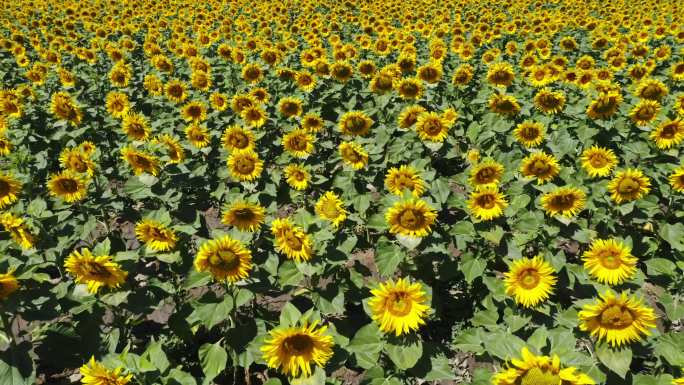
[
  {"x": 501, "y": 74},
  {"x": 539, "y": 370},
  {"x": 548, "y": 101},
  {"x": 245, "y": 165},
  {"x": 290, "y": 107},
  {"x": 669, "y": 134},
  {"x": 530, "y": 281},
  {"x": 628, "y": 185},
  {"x": 399, "y": 307},
  {"x": 95, "y": 271},
  {"x": 618, "y": 320},
  {"x": 529, "y": 133},
  {"x": 355, "y": 123},
  {"x": 331, "y": 208},
  {"x": 94, "y": 373},
  {"x": 412, "y": 218},
  {"x": 609, "y": 261},
  {"x": 17, "y": 229},
  {"x": 598, "y": 161},
  {"x": 140, "y": 161},
  {"x": 9, "y": 189},
  {"x": 293, "y": 350},
  {"x": 565, "y": 201},
  {"x": 156, "y": 235},
  {"x": 292, "y": 240},
  {"x": 487, "y": 203},
  {"x": 605, "y": 105},
  {"x": 539, "y": 165},
  {"x": 404, "y": 178},
  {"x": 651, "y": 89},
  {"x": 644, "y": 112},
  {"x": 237, "y": 138},
  {"x": 225, "y": 258},
  {"x": 432, "y": 127},
  {"x": 68, "y": 186},
  {"x": 676, "y": 179},
  {"x": 299, "y": 143},
  {"x": 486, "y": 173},
  {"x": 506, "y": 105},
  {"x": 410, "y": 88},
  {"x": 8, "y": 285},
  {"x": 244, "y": 215},
  {"x": 409, "y": 115},
  {"x": 353, "y": 154}
]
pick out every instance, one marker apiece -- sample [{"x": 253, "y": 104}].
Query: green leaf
[
  {"x": 660, "y": 266},
  {"x": 16, "y": 366},
  {"x": 670, "y": 347},
  {"x": 289, "y": 315},
  {"x": 406, "y": 354},
  {"x": 211, "y": 314},
  {"x": 472, "y": 268},
  {"x": 387, "y": 257},
  {"x": 673, "y": 234},
  {"x": 366, "y": 345},
  {"x": 440, "y": 369},
  {"x": 155, "y": 354},
  {"x": 503, "y": 345},
  {"x": 539, "y": 338},
  {"x": 213, "y": 359},
  {"x": 618, "y": 361},
  {"x": 409, "y": 242},
  {"x": 316, "y": 378},
  {"x": 179, "y": 377}
]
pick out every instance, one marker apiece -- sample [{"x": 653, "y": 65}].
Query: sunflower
[
  {"x": 462, "y": 75},
  {"x": 245, "y": 216},
  {"x": 430, "y": 72},
  {"x": 219, "y": 101},
  {"x": 355, "y": 123},
  {"x": 411, "y": 218},
  {"x": 382, "y": 82},
  {"x": 549, "y": 102},
  {"x": 677, "y": 179},
  {"x": 598, "y": 161},
  {"x": 63, "y": 107},
  {"x": 252, "y": 73},
  {"x": 668, "y": 134},
  {"x": 618, "y": 320},
  {"x": 245, "y": 165},
  {"x": 9, "y": 188},
  {"x": 410, "y": 88},
  {"x": 644, "y": 112},
  {"x": 431, "y": 127},
  {"x": 530, "y": 281},
  {"x": 540, "y": 370},
  {"x": 628, "y": 185},
  {"x": 565, "y": 201},
  {"x": 312, "y": 122},
  {"x": 330, "y": 207},
  {"x": 77, "y": 161},
  {"x": 260, "y": 94},
  {"x": 292, "y": 350},
  {"x": 409, "y": 115},
  {"x": 529, "y": 133},
  {"x": 353, "y": 154},
  {"x": 651, "y": 89},
  {"x": 502, "y": 104},
  {"x": 94, "y": 271},
  {"x": 194, "y": 111},
  {"x": 487, "y": 203},
  {"x": 240, "y": 102},
  {"x": 237, "y": 138},
  {"x": 198, "y": 135},
  {"x": 8, "y": 285},
  {"x": 291, "y": 240},
  {"x": 68, "y": 186},
  {"x": 225, "y": 258},
  {"x": 120, "y": 75},
  {"x": 486, "y": 173},
  {"x": 175, "y": 91},
  {"x": 609, "y": 261},
  {"x": 501, "y": 74},
  {"x": 153, "y": 85},
  {"x": 297, "y": 176},
  {"x": 140, "y": 161},
  {"x": 94, "y": 373},
  {"x": 299, "y": 143},
  {"x": 341, "y": 71},
  {"x": 306, "y": 81},
  {"x": 173, "y": 148},
  {"x": 255, "y": 116},
  {"x": 18, "y": 230},
  {"x": 399, "y": 307},
  {"x": 117, "y": 104},
  {"x": 156, "y": 235},
  {"x": 604, "y": 106},
  {"x": 290, "y": 107},
  {"x": 678, "y": 381},
  {"x": 136, "y": 126},
  {"x": 540, "y": 165},
  {"x": 404, "y": 178}
]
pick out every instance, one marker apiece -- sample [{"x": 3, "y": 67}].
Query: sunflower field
[{"x": 342, "y": 192}]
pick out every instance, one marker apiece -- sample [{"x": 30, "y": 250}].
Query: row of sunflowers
[{"x": 342, "y": 192}]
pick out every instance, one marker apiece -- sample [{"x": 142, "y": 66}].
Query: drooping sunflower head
[
  {"x": 412, "y": 218},
  {"x": 68, "y": 186},
  {"x": 502, "y": 104},
  {"x": 644, "y": 112},
  {"x": 290, "y": 107},
  {"x": 605, "y": 105},
  {"x": 9, "y": 189},
  {"x": 225, "y": 258},
  {"x": 8, "y": 285},
  {"x": 409, "y": 115},
  {"x": 299, "y": 143},
  {"x": 529, "y": 133},
  {"x": 598, "y": 161},
  {"x": 293, "y": 350},
  {"x": 548, "y": 101},
  {"x": 156, "y": 235},
  {"x": 530, "y": 281},
  {"x": 63, "y": 107},
  {"x": 628, "y": 185},
  {"x": 330, "y": 207},
  {"x": 486, "y": 173},
  {"x": 487, "y": 203},
  {"x": 669, "y": 134},
  {"x": 94, "y": 373},
  {"x": 174, "y": 150},
  {"x": 18, "y": 230},
  {"x": 355, "y": 123},
  {"x": 541, "y": 166},
  {"x": 618, "y": 320},
  {"x": 399, "y": 307},
  {"x": 501, "y": 74},
  {"x": 297, "y": 176},
  {"x": 382, "y": 82},
  {"x": 140, "y": 161},
  {"x": 676, "y": 179},
  {"x": 245, "y": 165},
  {"x": 95, "y": 271},
  {"x": 651, "y": 89},
  {"x": 244, "y": 215},
  {"x": 432, "y": 127},
  {"x": 540, "y": 370},
  {"x": 291, "y": 240},
  {"x": 403, "y": 178},
  {"x": 565, "y": 201},
  {"x": 609, "y": 261},
  {"x": 353, "y": 154}
]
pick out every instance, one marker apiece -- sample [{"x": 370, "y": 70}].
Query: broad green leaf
[
  {"x": 213, "y": 359},
  {"x": 405, "y": 354},
  {"x": 617, "y": 360}
]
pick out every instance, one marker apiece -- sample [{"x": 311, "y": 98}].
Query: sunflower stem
[{"x": 7, "y": 326}]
